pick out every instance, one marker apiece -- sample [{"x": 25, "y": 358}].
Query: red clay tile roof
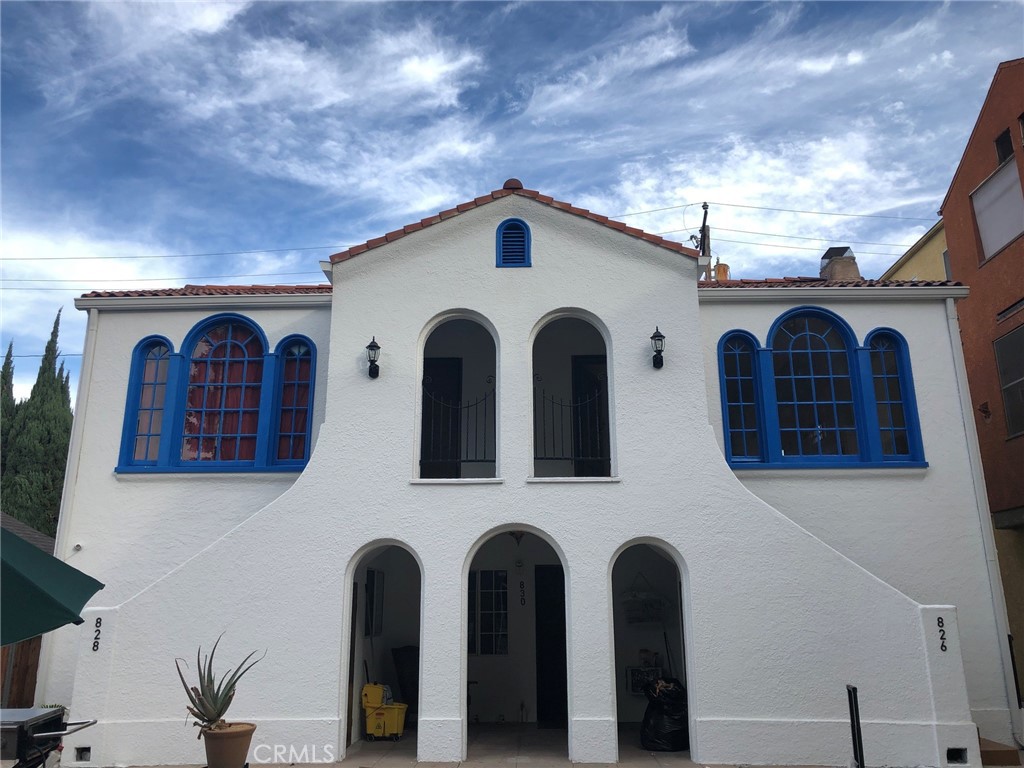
[
  {"x": 213, "y": 290},
  {"x": 513, "y": 187},
  {"x": 817, "y": 282}
]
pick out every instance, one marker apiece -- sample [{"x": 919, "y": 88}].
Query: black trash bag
[{"x": 666, "y": 726}]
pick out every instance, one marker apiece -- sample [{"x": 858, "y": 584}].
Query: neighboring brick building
[{"x": 983, "y": 216}]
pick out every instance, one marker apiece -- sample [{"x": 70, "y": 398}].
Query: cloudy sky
[{"x": 146, "y": 145}]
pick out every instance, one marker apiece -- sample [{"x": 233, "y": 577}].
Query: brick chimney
[{"x": 839, "y": 263}]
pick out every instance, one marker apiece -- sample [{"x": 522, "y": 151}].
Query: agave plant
[{"x": 211, "y": 699}]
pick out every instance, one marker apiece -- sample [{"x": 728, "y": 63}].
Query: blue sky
[{"x": 170, "y": 129}]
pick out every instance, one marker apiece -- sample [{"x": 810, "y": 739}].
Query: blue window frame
[
  {"x": 741, "y": 396},
  {"x": 814, "y": 398},
  {"x": 813, "y": 390},
  {"x": 295, "y": 397},
  {"x": 222, "y": 399},
  {"x": 896, "y": 409},
  {"x": 224, "y": 403},
  {"x": 513, "y": 244},
  {"x": 147, "y": 399}
]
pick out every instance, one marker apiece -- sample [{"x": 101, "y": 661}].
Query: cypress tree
[
  {"x": 37, "y": 446},
  {"x": 7, "y": 404}
]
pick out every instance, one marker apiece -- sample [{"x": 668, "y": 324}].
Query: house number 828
[
  {"x": 942, "y": 634},
  {"x": 96, "y": 636}
]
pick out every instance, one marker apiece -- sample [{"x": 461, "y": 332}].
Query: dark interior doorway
[
  {"x": 552, "y": 693},
  {"x": 440, "y": 441},
  {"x": 590, "y": 416}
]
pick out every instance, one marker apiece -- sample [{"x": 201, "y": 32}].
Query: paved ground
[{"x": 511, "y": 746}]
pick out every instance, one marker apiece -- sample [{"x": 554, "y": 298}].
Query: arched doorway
[
  {"x": 649, "y": 644},
  {"x": 571, "y": 436},
  {"x": 516, "y": 645},
  {"x": 384, "y": 638},
  {"x": 457, "y": 432}
]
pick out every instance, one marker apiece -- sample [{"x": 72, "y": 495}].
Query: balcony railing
[
  {"x": 573, "y": 431},
  {"x": 457, "y": 433}
]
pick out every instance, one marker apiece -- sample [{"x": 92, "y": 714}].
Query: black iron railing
[
  {"x": 574, "y": 430},
  {"x": 456, "y": 433}
]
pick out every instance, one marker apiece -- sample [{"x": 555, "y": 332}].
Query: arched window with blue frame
[
  {"x": 224, "y": 403},
  {"x": 740, "y": 396},
  {"x": 513, "y": 244},
  {"x": 895, "y": 409},
  {"x": 813, "y": 398},
  {"x": 295, "y": 361},
  {"x": 224, "y": 389},
  {"x": 147, "y": 400}
]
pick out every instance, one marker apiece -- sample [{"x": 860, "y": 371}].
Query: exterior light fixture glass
[
  {"x": 372, "y": 356},
  {"x": 658, "y": 345}
]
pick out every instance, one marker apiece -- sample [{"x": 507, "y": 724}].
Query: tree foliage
[
  {"x": 35, "y": 442},
  {"x": 7, "y": 404}
]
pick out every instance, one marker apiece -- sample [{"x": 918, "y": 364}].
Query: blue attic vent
[{"x": 513, "y": 244}]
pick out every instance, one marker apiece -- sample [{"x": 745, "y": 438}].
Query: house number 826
[
  {"x": 942, "y": 634},
  {"x": 96, "y": 636}
]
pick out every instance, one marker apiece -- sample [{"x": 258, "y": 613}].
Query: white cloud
[{"x": 842, "y": 173}]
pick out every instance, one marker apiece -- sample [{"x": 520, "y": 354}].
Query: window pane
[
  {"x": 740, "y": 413},
  {"x": 222, "y": 403},
  {"x": 149, "y": 408}
]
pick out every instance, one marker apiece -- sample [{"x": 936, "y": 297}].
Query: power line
[
  {"x": 796, "y": 247},
  {"x": 781, "y": 210},
  {"x": 59, "y": 354},
  {"x": 827, "y": 213},
  {"x": 177, "y": 255},
  {"x": 792, "y": 237},
  {"x": 343, "y": 247},
  {"x": 157, "y": 279},
  {"x": 95, "y": 288}
]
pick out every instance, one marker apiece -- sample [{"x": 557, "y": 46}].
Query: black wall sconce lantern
[
  {"x": 658, "y": 345},
  {"x": 372, "y": 356}
]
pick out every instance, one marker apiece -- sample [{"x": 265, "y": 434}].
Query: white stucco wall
[
  {"x": 133, "y": 529},
  {"x": 918, "y": 529},
  {"x": 777, "y": 620}
]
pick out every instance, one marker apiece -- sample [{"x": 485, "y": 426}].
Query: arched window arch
[
  {"x": 812, "y": 397},
  {"x": 513, "y": 244},
  {"x": 571, "y": 399},
  {"x": 223, "y": 403},
  {"x": 815, "y": 405},
  {"x": 224, "y": 388},
  {"x": 895, "y": 405},
  {"x": 295, "y": 360},
  {"x": 147, "y": 400},
  {"x": 741, "y": 395},
  {"x": 458, "y": 413}
]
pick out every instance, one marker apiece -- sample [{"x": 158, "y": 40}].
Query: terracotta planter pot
[{"x": 228, "y": 745}]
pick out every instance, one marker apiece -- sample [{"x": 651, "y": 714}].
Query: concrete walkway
[{"x": 511, "y": 746}]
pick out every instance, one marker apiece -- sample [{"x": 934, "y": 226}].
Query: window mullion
[
  {"x": 770, "y": 441},
  {"x": 264, "y": 427},
  {"x": 174, "y": 414},
  {"x": 865, "y": 406}
]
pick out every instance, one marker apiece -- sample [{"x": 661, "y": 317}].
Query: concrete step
[{"x": 994, "y": 753}]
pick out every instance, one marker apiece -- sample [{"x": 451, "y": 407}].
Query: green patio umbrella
[{"x": 38, "y": 592}]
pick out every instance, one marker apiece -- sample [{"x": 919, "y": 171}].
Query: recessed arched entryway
[
  {"x": 516, "y": 670},
  {"x": 384, "y": 636},
  {"x": 648, "y": 618}
]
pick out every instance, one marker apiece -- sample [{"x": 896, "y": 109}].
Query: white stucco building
[{"x": 790, "y": 504}]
